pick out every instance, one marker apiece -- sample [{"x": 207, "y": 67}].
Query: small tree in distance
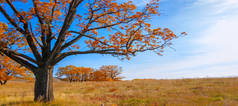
[
  {"x": 112, "y": 72},
  {"x": 11, "y": 70},
  {"x": 41, "y": 33},
  {"x": 72, "y": 73}
]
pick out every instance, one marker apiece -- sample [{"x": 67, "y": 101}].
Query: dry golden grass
[{"x": 183, "y": 92}]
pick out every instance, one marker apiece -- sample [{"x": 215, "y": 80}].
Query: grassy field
[{"x": 183, "y": 92}]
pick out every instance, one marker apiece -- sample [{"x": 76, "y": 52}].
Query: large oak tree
[{"x": 40, "y": 33}]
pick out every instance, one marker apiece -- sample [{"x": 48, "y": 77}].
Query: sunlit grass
[{"x": 184, "y": 92}]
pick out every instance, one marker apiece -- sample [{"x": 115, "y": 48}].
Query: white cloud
[
  {"x": 218, "y": 45},
  {"x": 221, "y": 6},
  {"x": 217, "y": 2},
  {"x": 141, "y": 2},
  {"x": 217, "y": 51}
]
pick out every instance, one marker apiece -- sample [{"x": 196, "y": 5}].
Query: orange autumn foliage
[
  {"x": 108, "y": 73},
  {"x": 72, "y": 73},
  {"x": 38, "y": 34},
  {"x": 11, "y": 70},
  {"x": 105, "y": 73},
  {"x": 127, "y": 28}
]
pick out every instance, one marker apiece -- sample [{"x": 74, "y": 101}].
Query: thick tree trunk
[
  {"x": 3, "y": 82},
  {"x": 44, "y": 85}
]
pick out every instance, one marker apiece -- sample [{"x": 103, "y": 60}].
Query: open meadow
[
  {"x": 147, "y": 92},
  {"x": 77, "y": 52}
]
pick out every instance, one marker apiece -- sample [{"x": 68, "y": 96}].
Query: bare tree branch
[
  {"x": 67, "y": 23},
  {"x": 26, "y": 33},
  {"x": 41, "y": 20},
  {"x": 23, "y": 56},
  {"x": 106, "y": 51},
  {"x": 11, "y": 20},
  {"x": 19, "y": 60}
]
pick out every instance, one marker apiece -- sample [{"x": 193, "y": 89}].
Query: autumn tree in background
[
  {"x": 72, "y": 73},
  {"x": 105, "y": 73},
  {"x": 112, "y": 72},
  {"x": 68, "y": 72},
  {"x": 40, "y": 33},
  {"x": 11, "y": 70},
  {"x": 85, "y": 73},
  {"x": 99, "y": 75}
]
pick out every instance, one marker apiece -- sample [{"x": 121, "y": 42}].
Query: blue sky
[{"x": 209, "y": 50}]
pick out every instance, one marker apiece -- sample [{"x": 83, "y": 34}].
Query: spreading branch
[{"x": 15, "y": 57}]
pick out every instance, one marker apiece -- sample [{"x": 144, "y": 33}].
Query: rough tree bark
[{"x": 44, "y": 85}]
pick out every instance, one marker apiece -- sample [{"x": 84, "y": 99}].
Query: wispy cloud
[
  {"x": 216, "y": 54},
  {"x": 218, "y": 45},
  {"x": 221, "y": 6}
]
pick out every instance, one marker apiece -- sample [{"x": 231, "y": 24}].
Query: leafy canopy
[{"x": 51, "y": 30}]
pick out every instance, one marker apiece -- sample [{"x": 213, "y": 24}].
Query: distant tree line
[
  {"x": 104, "y": 73},
  {"x": 10, "y": 70}
]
